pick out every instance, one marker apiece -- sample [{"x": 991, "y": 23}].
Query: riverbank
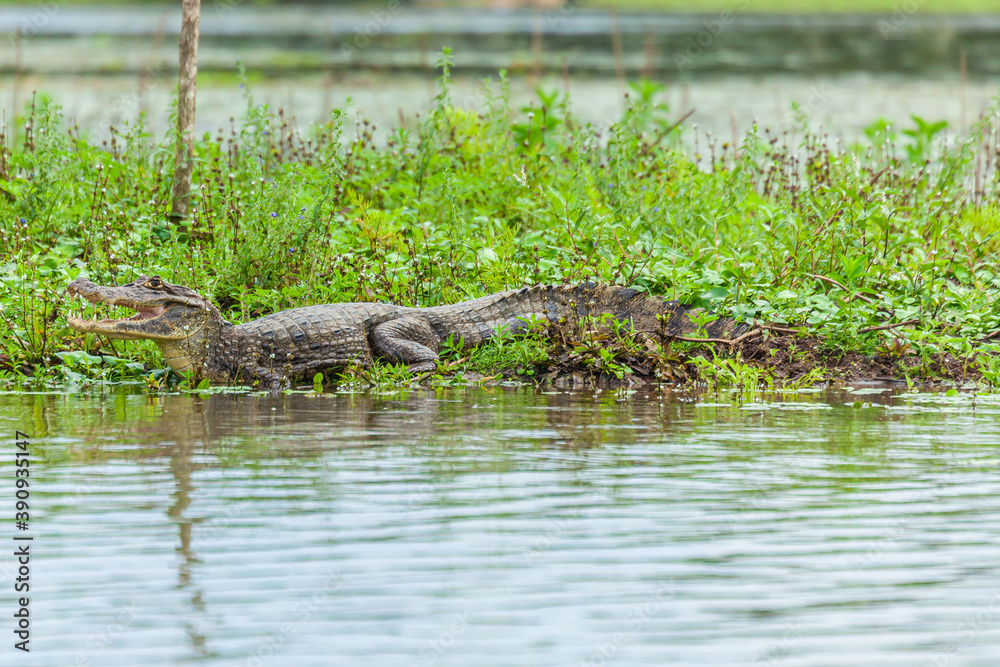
[
  {"x": 302, "y": 39},
  {"x": 884, "y": 250}
]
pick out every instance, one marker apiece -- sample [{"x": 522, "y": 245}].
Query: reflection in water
[
  {"x": 515, "y": 527},
  {"x": 309, "y": 425},
  {"x": 181, "y": 466}
]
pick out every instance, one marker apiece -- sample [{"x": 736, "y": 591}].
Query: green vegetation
[{"x": 881, "y": 258}]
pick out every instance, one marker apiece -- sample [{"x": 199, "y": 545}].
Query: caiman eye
[{"x": 154, "y": 282}]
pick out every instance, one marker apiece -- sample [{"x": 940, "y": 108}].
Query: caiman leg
[{"x": 410, "y": 340}]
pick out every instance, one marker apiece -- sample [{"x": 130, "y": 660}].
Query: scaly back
[{"x": 478, "y": 319}]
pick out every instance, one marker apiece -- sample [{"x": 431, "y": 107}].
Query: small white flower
[{"x": 522, "y": 178}]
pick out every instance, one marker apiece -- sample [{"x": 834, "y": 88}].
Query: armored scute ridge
[{"x": 301, "y": 342}]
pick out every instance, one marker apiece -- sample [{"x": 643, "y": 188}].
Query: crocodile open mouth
[
  {"x": 147, "y": 309},
  {"x": 79, "y": 320},
  {"x": 141, "y": 314}
]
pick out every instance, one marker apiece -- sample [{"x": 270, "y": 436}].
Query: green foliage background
[{"x": 784, "y": 227}]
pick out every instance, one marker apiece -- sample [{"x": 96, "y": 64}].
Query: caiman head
[{"x": 184, "y": 324}]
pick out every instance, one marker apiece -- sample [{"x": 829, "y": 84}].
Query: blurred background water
[{"x": 731, "y": 65}]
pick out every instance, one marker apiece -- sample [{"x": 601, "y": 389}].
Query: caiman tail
[
  {"x": 478, "y": 320},
  {"x": 649, "y": 314}
]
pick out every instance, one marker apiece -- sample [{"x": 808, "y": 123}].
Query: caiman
[{"x": 300, "y": 342}]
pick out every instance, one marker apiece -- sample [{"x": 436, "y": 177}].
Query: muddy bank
[{"x": 775, "y": 360}]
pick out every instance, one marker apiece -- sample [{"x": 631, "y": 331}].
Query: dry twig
[
  {"x": 731, "y": 342},
  {"x": 779, "y": 329},
  {"x": 837, "y": 283},
  {"x": 883, "y": 327},
  {"x": 663, "y": 133}
]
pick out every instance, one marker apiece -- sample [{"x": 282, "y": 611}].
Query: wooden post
[{"x": 186, "y": 82}]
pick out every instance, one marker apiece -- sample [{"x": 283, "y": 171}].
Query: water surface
[{"x": 509, "y": 526}]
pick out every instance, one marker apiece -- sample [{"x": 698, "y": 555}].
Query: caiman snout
[{"x": 151, "y": 298}]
